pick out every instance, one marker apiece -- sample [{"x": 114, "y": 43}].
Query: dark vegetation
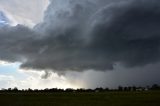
[
  {"x": 122, "y": 96},
  {"x": 120, "y": 88}
]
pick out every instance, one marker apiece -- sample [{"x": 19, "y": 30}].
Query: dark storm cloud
[
  {"x": 128, "y": 33},
  {"x": 89, "y": 34}
]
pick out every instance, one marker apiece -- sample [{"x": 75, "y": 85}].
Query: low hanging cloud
[{"x": 88, "y": 34}]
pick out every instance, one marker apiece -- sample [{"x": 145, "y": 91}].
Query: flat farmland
[{"x": 112, "y": 98}]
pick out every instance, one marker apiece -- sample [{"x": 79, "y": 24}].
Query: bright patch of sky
[
  {"x": 11, "y": 76},
  {"x": 11, "y": 69},
  {"x": 26, "y": 12}
]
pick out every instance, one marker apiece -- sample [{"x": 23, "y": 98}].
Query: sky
[{"x": 79, "y": 43}]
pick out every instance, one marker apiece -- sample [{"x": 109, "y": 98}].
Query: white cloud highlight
[
  {"x": 25, "y": 12},
  {"x": 34, "y": 80}
]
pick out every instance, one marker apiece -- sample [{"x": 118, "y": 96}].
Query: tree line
[{"x": 100, "y": 89}]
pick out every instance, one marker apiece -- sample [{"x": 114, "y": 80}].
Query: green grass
[{"x": 150, "y": 98}]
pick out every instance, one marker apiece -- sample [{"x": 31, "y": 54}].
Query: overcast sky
[{"x": 79, "y": 43}]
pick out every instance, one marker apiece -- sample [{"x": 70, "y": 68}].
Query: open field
[{"x": 145, "y": 98}]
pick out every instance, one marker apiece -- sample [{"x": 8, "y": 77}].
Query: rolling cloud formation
[{"x": 87, "y": 34}]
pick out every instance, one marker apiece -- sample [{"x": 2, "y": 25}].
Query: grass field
[{"x": 149, "y": 98}]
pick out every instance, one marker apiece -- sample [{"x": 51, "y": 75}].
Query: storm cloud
[{"x": 88, "y": 34}]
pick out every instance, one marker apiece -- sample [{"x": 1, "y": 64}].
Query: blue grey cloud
[{"x": 3, "y": 19}]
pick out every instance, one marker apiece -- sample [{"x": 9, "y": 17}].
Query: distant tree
[
  {"x": 69, "y": 90},
  {"x": 120, "y": 88},
  {"x": 81, "y": 90},
  {"x": 15, "y": 89},
  {"x": 35, "y": 90},
  {"x": 129, "y": 88},
  {"x": 155, "y": 87},
  {"x": 88, "y": 90},
  {"x": 133, "y": 88},
  {"x": 9, "y": 89},
  {"x": 29, "y": 90},
  {"x": 106, "y": 89},
  {"x": 99, "y": 89},
  {"x": 125, "y": 88},
  {"x": 53, "y": 90}
]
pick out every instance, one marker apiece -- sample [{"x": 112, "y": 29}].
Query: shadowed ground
[{"x": 146, "y": 98}]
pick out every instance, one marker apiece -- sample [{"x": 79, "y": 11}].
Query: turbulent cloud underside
[{"x": 87, "y": 34}]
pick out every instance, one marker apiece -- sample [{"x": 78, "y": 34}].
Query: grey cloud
[
  {"x": 137, "y": 76},
  {"x": 91, "y": 34},
  {"x": 129, "y": 34},
  {"x": 46, "y": 75}
]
